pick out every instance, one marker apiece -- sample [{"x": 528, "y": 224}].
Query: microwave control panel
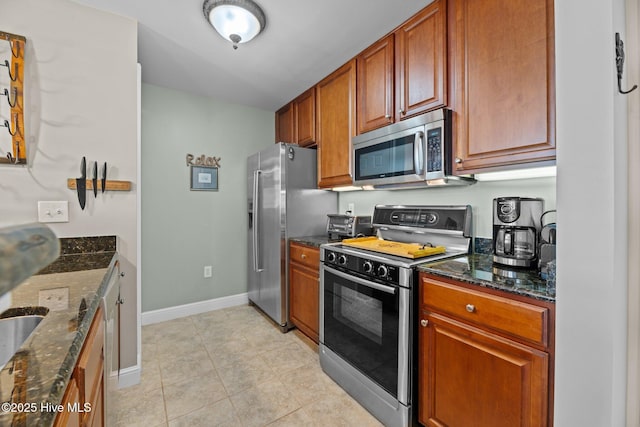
[{"x": 434, "y": 150}]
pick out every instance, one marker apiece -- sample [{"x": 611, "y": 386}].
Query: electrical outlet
[
  {"x": 56, "y": 299},
  {"x": 351, "y": 207},
  {"x": 207, "y": 271},
  {"x": 53, "y": 211}
]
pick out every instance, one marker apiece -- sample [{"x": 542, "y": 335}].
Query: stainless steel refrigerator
[{"x": 283, "y": 202}]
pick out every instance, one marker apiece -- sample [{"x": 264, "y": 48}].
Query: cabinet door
[
  {"x": 304, "y": 288},
  {"x": 96, "y": 417},
  {"x": 304, "y": 113},
  {"x": 421, "y": 48},
  {"x": 336, "y": 115},
  {"x": 375, "y": 85},
  {"x": 89, "y": 372},
  {"x": 502, "y": 57},
  {"x": 67, "y": 418},
  {"x": 284, "y": 124},
  {"x": 468, "y": 377}
]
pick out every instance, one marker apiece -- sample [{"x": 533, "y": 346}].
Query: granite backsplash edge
[{"x": 82, "y": 253}]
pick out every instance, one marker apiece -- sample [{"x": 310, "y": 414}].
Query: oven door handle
[{"x": 367, "y": 283}]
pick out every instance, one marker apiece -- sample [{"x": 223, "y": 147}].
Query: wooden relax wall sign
[
  {"x": 204, "y": 172},
  {"x": 212, "y": 162}
]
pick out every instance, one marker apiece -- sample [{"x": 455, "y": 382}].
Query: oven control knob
[
  {"x": 367, "y": 267},
  {"x": 342, "y": 259},
  {"x": 382, "y": 271},
  {"x": 331, "y": 257}
]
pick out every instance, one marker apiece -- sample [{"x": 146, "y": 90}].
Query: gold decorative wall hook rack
[{"x": 14, "y": 62}]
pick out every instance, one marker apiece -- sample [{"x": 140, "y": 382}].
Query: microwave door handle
[
  {"x": 368, "y": 284},
  {"x": 418, "y": 153}
]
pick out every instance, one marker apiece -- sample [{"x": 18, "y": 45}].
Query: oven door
[{"x": 366, "y": 324}]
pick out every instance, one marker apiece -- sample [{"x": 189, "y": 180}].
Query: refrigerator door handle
[{"x": 256, "y": 221}]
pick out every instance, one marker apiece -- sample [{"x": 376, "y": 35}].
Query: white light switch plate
[
  {"x": 351, "y": 207},
  {"x": 53, "y": 211}
]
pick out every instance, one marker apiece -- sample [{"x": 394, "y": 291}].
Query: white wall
[
  {"x": 480, "y": 196},
  {"x": 632, "y": 76},
  {"x": 183, "y": 230},
  {"x": 591, "y": 194},
  {"x": 80, "y": 100}
]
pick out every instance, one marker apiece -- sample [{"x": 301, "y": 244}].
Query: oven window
[
  {"x": 391, "y": 158},
  {"x": 359, "y": 312},
  {"x": 361, "y": 326}
]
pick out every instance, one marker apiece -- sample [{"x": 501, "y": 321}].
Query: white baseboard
[
  {"x": 129, "y": 376},
  {"x": 170, "y": 313}
]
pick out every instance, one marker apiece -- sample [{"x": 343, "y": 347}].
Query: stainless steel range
[{"x": 367, "y": 305}]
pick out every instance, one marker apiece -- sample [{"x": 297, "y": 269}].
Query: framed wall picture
[{"x": 204, "y": 178}]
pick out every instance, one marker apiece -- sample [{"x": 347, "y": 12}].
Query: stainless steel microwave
[{"x": 415, "y": 151}]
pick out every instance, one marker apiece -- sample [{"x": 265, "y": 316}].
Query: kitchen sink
[{"x": 14, "y": 331}]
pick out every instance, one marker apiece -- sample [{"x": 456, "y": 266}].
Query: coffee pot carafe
[{"x": 516, "y": 230}]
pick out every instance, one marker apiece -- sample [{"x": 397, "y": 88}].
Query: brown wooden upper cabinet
[
  {"x": 296, "y": 121},
  {"x": 284, "y": 124},
  {"x": 304, "y": 114},
  {"x": 404, "y": 74},
  {"x": 336, "y": 125},
  {"x": 501, "y": 82}
]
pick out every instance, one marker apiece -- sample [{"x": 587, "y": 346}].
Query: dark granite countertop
[
  {"x": 478, "y": 269},
  {"x": 315, "y": 241},
  {"x": 40, "y": 371}
]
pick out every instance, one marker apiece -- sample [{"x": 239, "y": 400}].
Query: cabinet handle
[
  {"x": 470, "y": 308},
  {"x": 424, "y": 323},
  {"x": 387, "y": 116},
  {"x": 458, "y": 160},
  {"x": 303, "y": 256},
  {"x": 401, "y": 111}
]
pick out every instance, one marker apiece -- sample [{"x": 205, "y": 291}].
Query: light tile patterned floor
[{"x": 232, "y": 367}]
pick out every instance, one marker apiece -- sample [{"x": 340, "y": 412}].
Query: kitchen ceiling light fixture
[{"x": 238, "y": 21}]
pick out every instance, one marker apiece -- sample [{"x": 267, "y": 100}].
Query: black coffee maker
[{"x": 516, "y": 230}]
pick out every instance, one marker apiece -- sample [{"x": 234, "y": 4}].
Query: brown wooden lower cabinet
[
  {"x": 304, "y": 288},
  {"x": 476, "y": 375},
  {"x": 83, "y": 401},
  {"x": 67, "y": 417}
]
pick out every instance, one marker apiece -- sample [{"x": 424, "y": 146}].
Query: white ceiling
[{"x": 303, "y": 42}]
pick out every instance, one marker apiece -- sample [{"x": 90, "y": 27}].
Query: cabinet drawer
[
  {"x": 519, "y": 319},
  {"x": 305, "y": 255},
  {"x": 89, "y": 369}
]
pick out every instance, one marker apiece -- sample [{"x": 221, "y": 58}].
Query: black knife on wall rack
[
  {"x": 95, "y": 179},
  {"x": 104, "y": 176},
  {"x": 81, "y": 183}
]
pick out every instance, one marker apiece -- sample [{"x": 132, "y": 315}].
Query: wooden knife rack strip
[
  {"x": 109, "y": 185},
  {"x": 16, "y": 89}
]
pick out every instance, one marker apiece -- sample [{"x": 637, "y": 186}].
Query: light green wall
[
  {"x": 183, "y": 230},
  {"x": 480, "y": 196}
]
